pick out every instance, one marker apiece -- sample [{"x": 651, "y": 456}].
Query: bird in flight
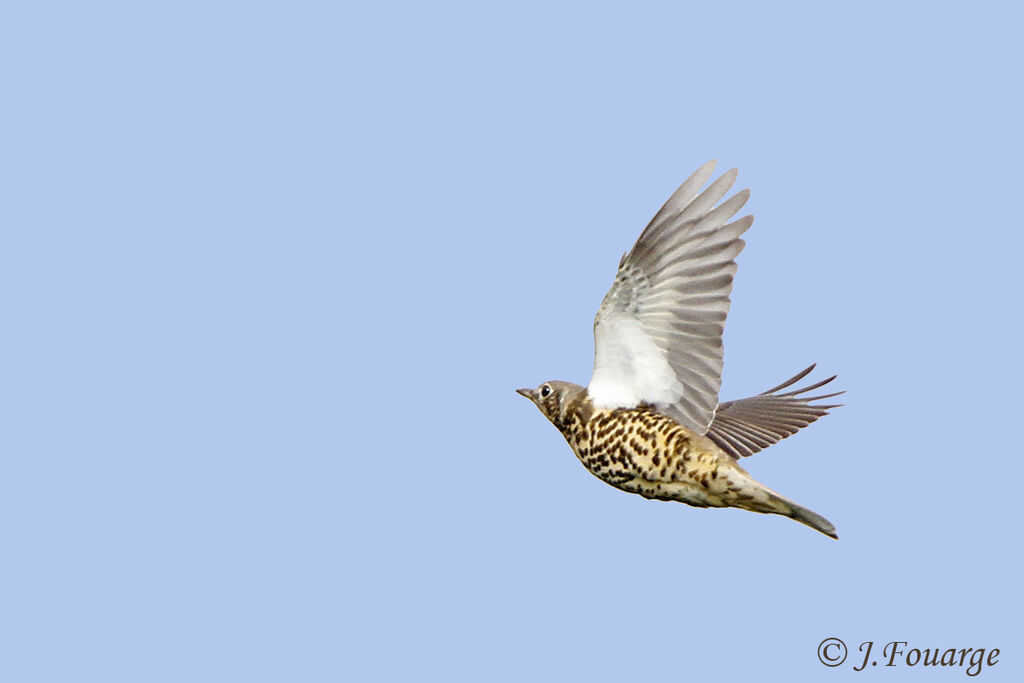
[{"x": 650, "y": 421}]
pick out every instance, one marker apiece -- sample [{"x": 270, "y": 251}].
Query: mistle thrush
[{"x": 650, "y": 421}]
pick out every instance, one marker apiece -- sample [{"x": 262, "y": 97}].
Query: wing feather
[
  {"x": 749, "y": 425},
  {"x": 658, "y": 333}
]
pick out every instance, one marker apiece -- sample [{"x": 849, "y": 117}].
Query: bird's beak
[{"x": 528, "y": 393}]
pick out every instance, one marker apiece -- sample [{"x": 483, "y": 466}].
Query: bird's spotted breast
[{"x": 640, "y": 451}]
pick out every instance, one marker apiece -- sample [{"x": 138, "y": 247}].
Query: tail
[
  {"x": 811, "y": 519},
  {"x": 780, "y": 505},
  {"x": 743, "y": 491}
]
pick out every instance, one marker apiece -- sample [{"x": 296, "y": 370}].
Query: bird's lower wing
[{"x": 746, "y": 426}]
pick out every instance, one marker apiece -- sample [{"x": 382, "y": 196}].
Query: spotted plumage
[{"x": 650, "y": 422}]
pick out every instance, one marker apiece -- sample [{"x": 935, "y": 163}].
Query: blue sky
[{"x": 271, "y": 274}]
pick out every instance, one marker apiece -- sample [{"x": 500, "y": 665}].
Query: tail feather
[
  {"x": 743, "y": 491},
  {"x": 812, "y": 519}
]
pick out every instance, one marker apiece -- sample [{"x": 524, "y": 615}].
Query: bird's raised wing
[
  {"x": 744, "y": 427},
  {"x": 658, "y": 333}
]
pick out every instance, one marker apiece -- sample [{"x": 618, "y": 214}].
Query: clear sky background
[{"x": 270, "y": 273}]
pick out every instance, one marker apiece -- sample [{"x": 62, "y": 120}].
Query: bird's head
[{"x": 555, "y": 399}]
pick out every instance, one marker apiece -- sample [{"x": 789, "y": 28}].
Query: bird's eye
[{"x": 545, "y": 391}]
